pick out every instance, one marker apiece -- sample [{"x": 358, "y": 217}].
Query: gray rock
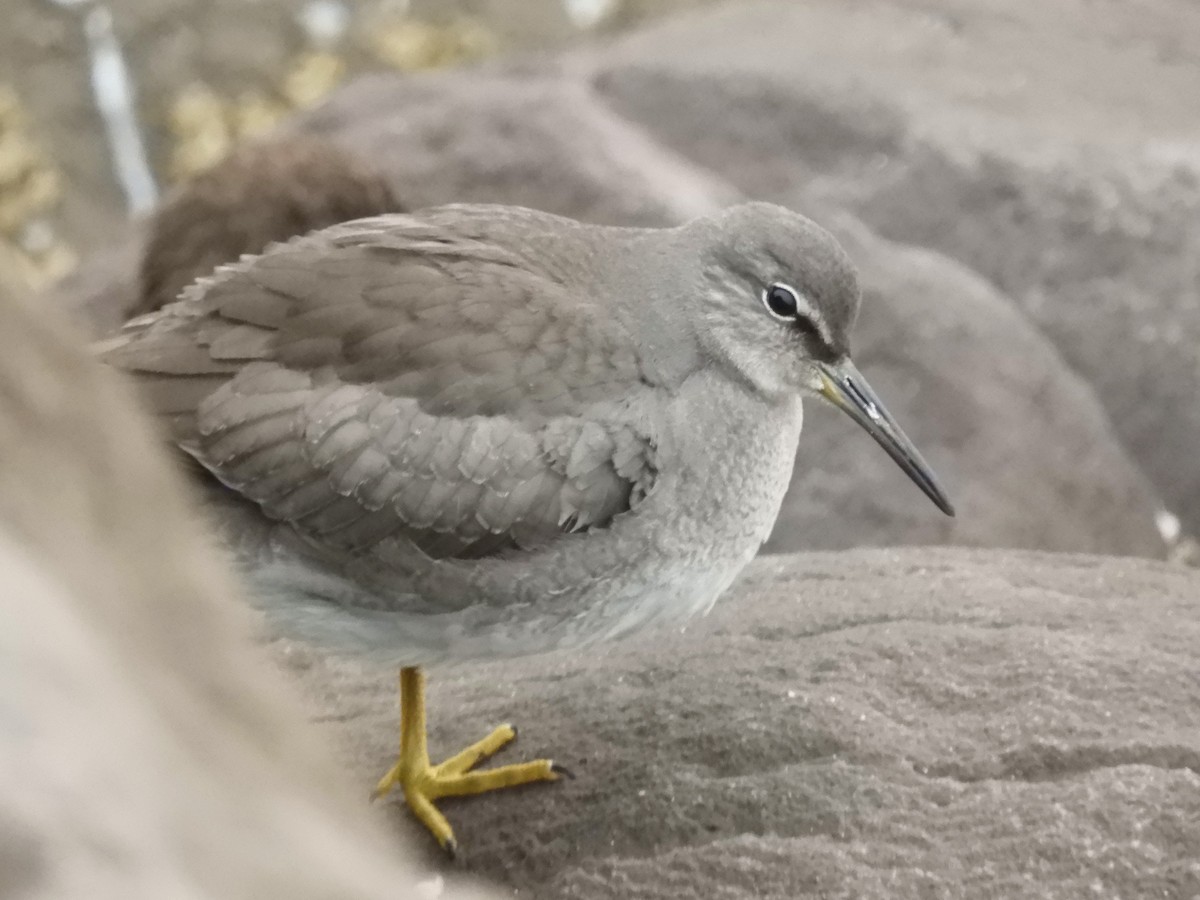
[
  {"x": 1105, "y": 265},
  {"x": 875, "y": 724},
  {"x": 518, "y": 137},
  {"x": 105, "y": 289}
]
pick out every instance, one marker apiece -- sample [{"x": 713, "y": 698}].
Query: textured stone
[{"x": 869, "y": 724}]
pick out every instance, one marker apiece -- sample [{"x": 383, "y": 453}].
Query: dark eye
[{"x": 781, "y": 301}]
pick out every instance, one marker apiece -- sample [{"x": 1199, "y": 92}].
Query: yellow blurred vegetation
[
  {"x": 205, "y": 126},
  {"x": 30, "y": 189},
  {"x": 202, "y": 124}
]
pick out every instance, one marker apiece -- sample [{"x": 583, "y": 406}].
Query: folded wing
[{"x": 392, "y": 378}]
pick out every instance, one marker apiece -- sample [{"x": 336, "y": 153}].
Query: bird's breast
[{"x": 734, "y": 460}]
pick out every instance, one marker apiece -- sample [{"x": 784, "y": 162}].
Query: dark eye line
[
  {"x": 806, "y": 325},
  {"x": 816, "y": 342}
]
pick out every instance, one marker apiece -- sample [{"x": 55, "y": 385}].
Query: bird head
[{"x": 779, "y": 297}]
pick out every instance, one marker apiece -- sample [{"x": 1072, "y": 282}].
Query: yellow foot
[{"x": 423, "y": 783}]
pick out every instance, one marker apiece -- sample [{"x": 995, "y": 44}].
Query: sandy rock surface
[{"x": 891, "y": 724}]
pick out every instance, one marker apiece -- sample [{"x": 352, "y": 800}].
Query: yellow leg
[{"x": 423, "y": 783}]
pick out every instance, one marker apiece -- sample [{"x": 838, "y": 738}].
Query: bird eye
[{"x": 781, "y": 301}]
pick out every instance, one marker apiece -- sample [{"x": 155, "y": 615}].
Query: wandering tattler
[{"x": 481, "y": 431}]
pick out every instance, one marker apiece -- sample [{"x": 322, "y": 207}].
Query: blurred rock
[
  {"x": 1104, "y": 259},
  {"x": 106, "y": 288},
  {"x": 145, "y": 749},
  {"x": 997, "y": 68},
  {"x": 1026, "y": 451},
  {"x": 870, "y": 724},
  {"x": 503, "y": 135},
  {"x": 253, "y": 59},
  {"x": 1074, "y": 186}
]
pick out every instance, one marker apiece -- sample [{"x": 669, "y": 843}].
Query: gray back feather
[{"x": 402, "y": 377}]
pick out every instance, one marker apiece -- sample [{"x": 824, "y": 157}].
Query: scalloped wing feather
[{"x": 386, "y": 377}]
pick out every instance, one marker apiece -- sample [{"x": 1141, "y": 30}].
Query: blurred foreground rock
[
  {"x": 145, "y": 749},
  {"x": 869, "y": 724}
]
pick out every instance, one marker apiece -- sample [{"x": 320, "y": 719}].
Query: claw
[{"x": 423, "y": 783}]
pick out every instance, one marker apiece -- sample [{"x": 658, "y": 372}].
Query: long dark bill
[{"x": 844, "y": 386}]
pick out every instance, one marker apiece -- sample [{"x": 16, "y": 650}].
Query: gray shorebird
[{"x": 482, "y": 431}]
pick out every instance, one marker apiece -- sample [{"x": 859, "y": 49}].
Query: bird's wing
[{"x": 385, "y": 378}]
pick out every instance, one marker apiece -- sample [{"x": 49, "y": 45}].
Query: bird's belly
[
  {"x": 309, "y": 602},
  {"x": 666, "y": 560}
]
